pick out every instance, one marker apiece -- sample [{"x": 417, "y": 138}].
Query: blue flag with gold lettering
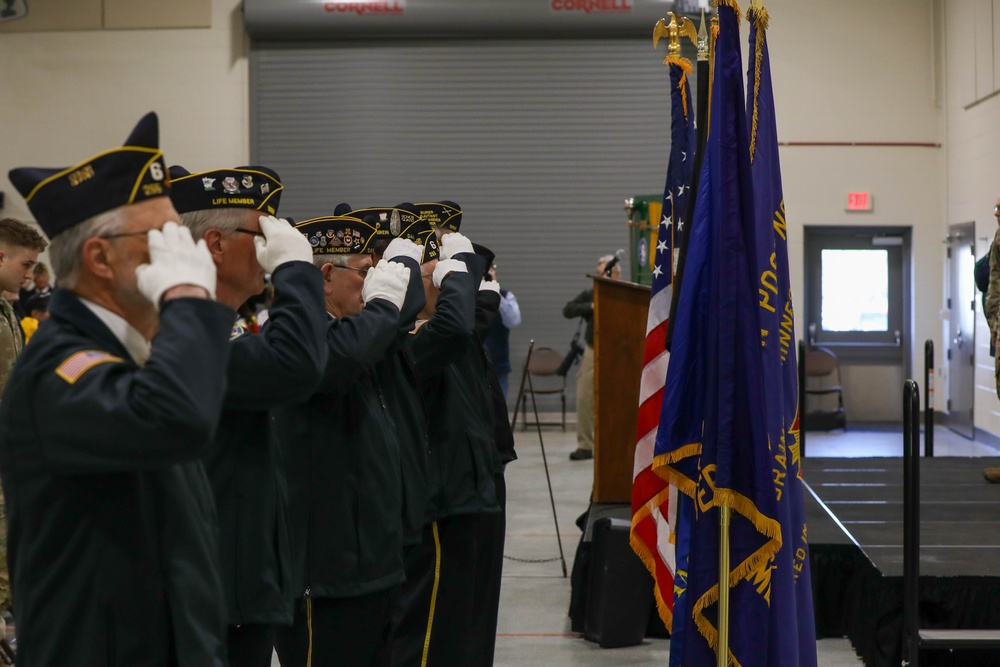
[
  {"x": 792, "y": 624},
  {"x": 713, "y": 438}
]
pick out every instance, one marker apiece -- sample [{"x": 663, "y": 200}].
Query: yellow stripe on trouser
[
  {"x": 434, "y": 592},
  {"x": 309, "y": 625}
]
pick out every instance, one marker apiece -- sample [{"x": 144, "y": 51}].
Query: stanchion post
[
  {"x": 722, "y": 655},
  {"x": 802, "y": 398},
  {"x": 929, "y": 398},
  {"x": 911, "y": 523}
]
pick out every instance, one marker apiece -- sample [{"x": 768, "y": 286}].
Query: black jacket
[
  {"x": 279, "y": 366},
  {"x": 113, "y": 538},
  {"x": 342, "y": 462},
  {"x": 397, "y": 377},
  {"x": 488, "y": 314},
  {"x": 451, "y": 370}
]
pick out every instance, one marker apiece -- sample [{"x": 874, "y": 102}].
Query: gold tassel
[
  {"x": 686, "y": 68},
  {"x": 711, "y": 77},
  {"x": 760, "y": 18}
]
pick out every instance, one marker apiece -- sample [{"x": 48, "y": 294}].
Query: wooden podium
[{"x": 620, "y": 310}]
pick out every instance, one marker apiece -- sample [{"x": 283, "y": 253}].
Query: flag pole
[{"x": 722, "y": 657}]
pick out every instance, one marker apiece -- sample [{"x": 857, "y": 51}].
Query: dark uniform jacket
[
  {"x": 113, "y": 540},
  {"x": 487, "y": 317},
  {"x": 451, "y": 370},
  {"x": 582, "y": 305},
  {"x": 342, "y": 462},
  {"x": 279, "y": 366},
  {"x": 398, "y": 378}
]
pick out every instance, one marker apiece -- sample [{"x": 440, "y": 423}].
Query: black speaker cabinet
[{"x": 620, "y": 588}]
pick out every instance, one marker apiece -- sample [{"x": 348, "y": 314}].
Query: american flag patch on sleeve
[{"x": 81, "y": 362}]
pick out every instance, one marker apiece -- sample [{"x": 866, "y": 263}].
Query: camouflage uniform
[
  {"x": 10, "y": 348},
  {"x": 993, "y": 303}
]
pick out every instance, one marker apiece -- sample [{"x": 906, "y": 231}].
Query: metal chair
[
  {"x": 821, "y": 363},
  {"x": 544, "y": 365}
]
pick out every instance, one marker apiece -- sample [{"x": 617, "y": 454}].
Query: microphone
[{"x": 619, "y": 257}]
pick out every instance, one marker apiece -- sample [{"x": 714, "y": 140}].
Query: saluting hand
[
  {"x": 281, "y": 243},
  {"x": 175, "y": 260},
  {"x": 455, "y": 244},
  {"x": 387, "y": 280},
  {"x": 401, "y": 247}
]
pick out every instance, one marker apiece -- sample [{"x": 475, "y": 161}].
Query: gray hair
[
  {"x": 604, "y": 259},
  {"x": 66, "y": 249},
  {"x": 223, "y": 219},
  {"x": 337, "y": 260}
]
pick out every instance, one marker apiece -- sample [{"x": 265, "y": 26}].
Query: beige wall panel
[
  {"x": 983, "y": 35},
  {"x": 49, "y": 15},
  {"x": 74, "y": 94},
  {"x": 125, "y": 14}
]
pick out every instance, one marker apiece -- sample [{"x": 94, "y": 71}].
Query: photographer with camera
[{"x": 583, "y": 307}]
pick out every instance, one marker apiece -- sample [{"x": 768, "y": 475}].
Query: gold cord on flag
[
  {"x": 758, "y": 14},
  {"x": 674, "y": 30}
]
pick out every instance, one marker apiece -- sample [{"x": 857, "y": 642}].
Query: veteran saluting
[{"x": 113, "y": 540}]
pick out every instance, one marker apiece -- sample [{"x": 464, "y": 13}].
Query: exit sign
[{"x": 859, "y": 201}]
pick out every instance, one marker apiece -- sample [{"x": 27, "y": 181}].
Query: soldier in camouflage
[
  {"x": 992, "y": 312},
  {"x": 19, "y": 248}
]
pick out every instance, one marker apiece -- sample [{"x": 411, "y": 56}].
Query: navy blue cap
[
  {"x": 61, "y": 198},
  {"x": 445, "y": 214},
  {"x": 258, "y": 188},
  {"x": 341, "y": 234}
]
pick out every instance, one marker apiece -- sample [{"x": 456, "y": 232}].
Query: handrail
[
  {"x": 929, "y": 398},
  {"x": 911, "y": 523}
]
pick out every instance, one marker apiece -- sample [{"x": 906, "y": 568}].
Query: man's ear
[
  {"x": 95, "y": 257},
  {"x": 327, "y": 272},
  {"x": 213, "y": 239}
]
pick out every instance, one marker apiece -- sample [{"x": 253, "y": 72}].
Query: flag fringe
[
  {"x": 768, "y": 527},
  {"x": 760, "y": 19},
  {"x": 686, "y": 68},
  {"x": 641, "y": 550},
  {"x": 711, "y": 79}
]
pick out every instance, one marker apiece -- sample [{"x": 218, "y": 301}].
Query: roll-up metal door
[{"x": 539, "y": 142}]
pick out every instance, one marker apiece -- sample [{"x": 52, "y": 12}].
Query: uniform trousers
[
  {"x": 585, "y": 401},
  {"x": 492, "y": 531},
  {"x": 438, "y": 600},
  {"x": 249, "y": 645},
  {"x": 347, "y": 632}
]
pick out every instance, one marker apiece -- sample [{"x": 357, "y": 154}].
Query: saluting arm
[{"x": 96, "y": 412}]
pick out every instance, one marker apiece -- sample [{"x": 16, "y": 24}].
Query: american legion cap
[
  {"x": 444, "y": 214},
  {"x": 404, "y": 221},
  {"x": 257, "y": 188},
  {"x": 61, "y": 198},
  {"x": 341, "y": 235}
]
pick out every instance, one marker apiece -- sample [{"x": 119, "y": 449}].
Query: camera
[{"x": 574, "y": 354}]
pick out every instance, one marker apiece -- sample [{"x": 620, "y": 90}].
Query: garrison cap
[
  {"x": 418, "y": 230},
  {"x": 61, "y": 198},
  {"x": 257, "y": 188},
  {"x": 342, "y": 209},
  {"x": 341, "y": 234},
  {"x": 37, "y": 302},
  {"x": 445, "y": 214}
]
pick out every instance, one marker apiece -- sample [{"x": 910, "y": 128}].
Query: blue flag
[
  {"x": 713, "y": 440},
  {"x": 792, "y": 624}
]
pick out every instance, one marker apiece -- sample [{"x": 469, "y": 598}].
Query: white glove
[
  {"x": 281, "y": 243},
  {"x": 446, "y": 266},
  {"x": 386, "y": 280},
  {"x": 403, "y": 248},
  {"x": 454, "y": 244},
  {"x": 489, "y": 285},
  {"x": 174, "y": 259}
]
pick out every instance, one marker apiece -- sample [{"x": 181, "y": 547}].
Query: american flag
[{"x": 651, "y": 494}]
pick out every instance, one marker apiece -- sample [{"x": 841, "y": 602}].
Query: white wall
[
  {"x": 861, "y": 71},
  {"x": 973, "y": 155},
  {"x": 65, "y": 96}
]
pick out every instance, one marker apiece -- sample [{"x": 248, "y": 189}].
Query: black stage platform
[{"x": 854, "y": 510}]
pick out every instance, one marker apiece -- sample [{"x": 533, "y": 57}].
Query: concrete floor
[{"x": 534, "y": 628}]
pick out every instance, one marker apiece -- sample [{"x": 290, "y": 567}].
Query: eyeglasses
[
  {"x": 363, "y": 272},
  {"x": 426, "y": 275},
  {"x": 243, "y": 230},
  {"x": 996, "y": 210}
]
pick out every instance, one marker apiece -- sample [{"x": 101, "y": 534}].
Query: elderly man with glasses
[
  {"x": 113, "y": 536},
  {"x": 232, "y": 210}
]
